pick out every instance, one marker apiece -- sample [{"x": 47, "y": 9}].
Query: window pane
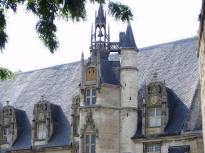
[
  {"x": 152, "y": 122},
  {"x": 8, "y": 137},
  {"x": 5, "y": 131},
  {"x": 88, "y": 101},
  {"x": 157, "y": 147},
  {"x": 152, "y": 112},
  {"x": 93, "y": 92},
  {"x": 88, "y": 92},
  {"x": 93, "y": 149},
  {"x": 93, "y": 139},
  {"x": 87, "y": 139},
  {"x": 158, "y": 121},
  {"x": 44, "y": 131},
  {"x": 154, "y": 148},
  {"x": 93, "y": 100},
  {"x": 87, "y": 149},
  {"x": 158, "y": 112}
]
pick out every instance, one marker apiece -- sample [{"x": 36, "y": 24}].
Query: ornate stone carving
[
  {"x": 42, "y": 115},
  {"x": 155, "y": 96},
  {"x": 8, "y": 125},
  {"x": 89, "y": 126}
]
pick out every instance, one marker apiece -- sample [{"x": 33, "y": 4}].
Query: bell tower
[{"x": 100, "y": 38}]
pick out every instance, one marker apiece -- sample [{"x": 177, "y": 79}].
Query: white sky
[{"x": 155, "y": 21}]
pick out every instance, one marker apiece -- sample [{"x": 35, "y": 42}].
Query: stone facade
[
  {"x": 113, "y": 110},
  {"x": 201, "y": 56}
]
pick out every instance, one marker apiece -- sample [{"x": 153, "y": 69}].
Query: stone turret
[{"x": 128, "y": 81}]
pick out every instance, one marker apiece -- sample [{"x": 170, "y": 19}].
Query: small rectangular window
[
  {"x": 41, "y": 131},
  {"x": 90, "y": 143},
  {"x": 8, "y": 134},
  {"x": 94, "y": 92},
  {"x": 154, "y": 117},
  {"x": 90, "y": 96},
  {"x": 153, "y": 148}
]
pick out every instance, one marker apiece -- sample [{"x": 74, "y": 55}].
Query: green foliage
[
  {"x": 120, "y": 11},
  {"x": 3, "y": 35},
  {"x": 5, "y": 74},
  {"x": 48, "y": 10}
]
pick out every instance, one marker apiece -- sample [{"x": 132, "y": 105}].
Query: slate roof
[
  {"x": 110, "y": 72},
  {"x": 178, "y": 113},
  {"x": 23, "y": 140},
  {"x": 61, "y": 131},
  {"x": 174, "y": 62},
  {"x": 178, "y": 149},
  {"x": 127, "y": 39}
]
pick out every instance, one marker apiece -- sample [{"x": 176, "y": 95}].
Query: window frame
[
  {"x": 154, "y": 146},
  {"x": 91, "y": 97},
  {"x": 155, "y": 117},
  {"x": 41, "y": 135},
  {"x": 8, "y": 134},
  {"x": 90, "y": 143}
]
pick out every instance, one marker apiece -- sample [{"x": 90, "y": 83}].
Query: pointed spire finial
[
  {"x": 42, "y": 98},
  {"x": 82, "y": 58},
  {"x": 155, "y": 76}
]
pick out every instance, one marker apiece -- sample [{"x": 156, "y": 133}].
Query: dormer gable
[
  {"x": 42, "y": 123},
  {"x": 8, "y": 126},
  {"x": 155, "y": 108}
]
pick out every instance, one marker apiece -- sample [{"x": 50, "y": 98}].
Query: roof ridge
[
  {"x": 140, "y": 49},
  {"x": 167, "y": 43}
]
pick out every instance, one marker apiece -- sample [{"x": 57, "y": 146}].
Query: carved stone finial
[
  {"x": 42, "y": 98},
  {"x": 155, "y": 76}
]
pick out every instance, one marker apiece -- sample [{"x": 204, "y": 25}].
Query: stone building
[
  {"x": 201, "y": 56},
  {"x": 133, "y": 101}
]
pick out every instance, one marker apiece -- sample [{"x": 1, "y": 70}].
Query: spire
[
  {"x": 82, "y": 58},
  {"x": 128, "y": 41},
  {"x": 100, "y": 11},
  {"x": 100, "y": 19}
]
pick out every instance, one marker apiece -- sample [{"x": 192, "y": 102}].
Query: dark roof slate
[
  {"x": 61, "y": 129},
  {"x": 23, "y": 140},
  {"x": 174, "y": 62},
  {"x": 110, "y": 72},
  {"x": 178, "y": 112},
  {"x": 127, "y": 39}
]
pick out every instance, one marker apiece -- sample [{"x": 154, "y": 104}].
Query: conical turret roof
[{"x": 128, "y": 40}]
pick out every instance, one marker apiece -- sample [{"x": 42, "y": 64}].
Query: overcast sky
[{"x": 155, "y": 22}]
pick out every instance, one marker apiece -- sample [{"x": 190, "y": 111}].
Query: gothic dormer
[
  {"x": 155, "y": 108},
  {"x": 100, "y": 39},
  {"x": 42, "y": 122},
  {"x": 8, "y": 126}
]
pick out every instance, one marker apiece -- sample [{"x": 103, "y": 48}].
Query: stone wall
[{"x": 201, "y": 56}]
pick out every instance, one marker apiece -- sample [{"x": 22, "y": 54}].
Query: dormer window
[
  {"x": 41, "y": 131},
  {"x": 154, "y": 117},
  {"x": 155, "y": 108},
  {"x": 90, "y": 96},
  {"x": 7, "y": 134},
  {"x": 42, "y": 122},
  {"x": 8, "y": 125}
]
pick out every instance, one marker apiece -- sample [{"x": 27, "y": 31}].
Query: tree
[{"x": 47, "y": 11}]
